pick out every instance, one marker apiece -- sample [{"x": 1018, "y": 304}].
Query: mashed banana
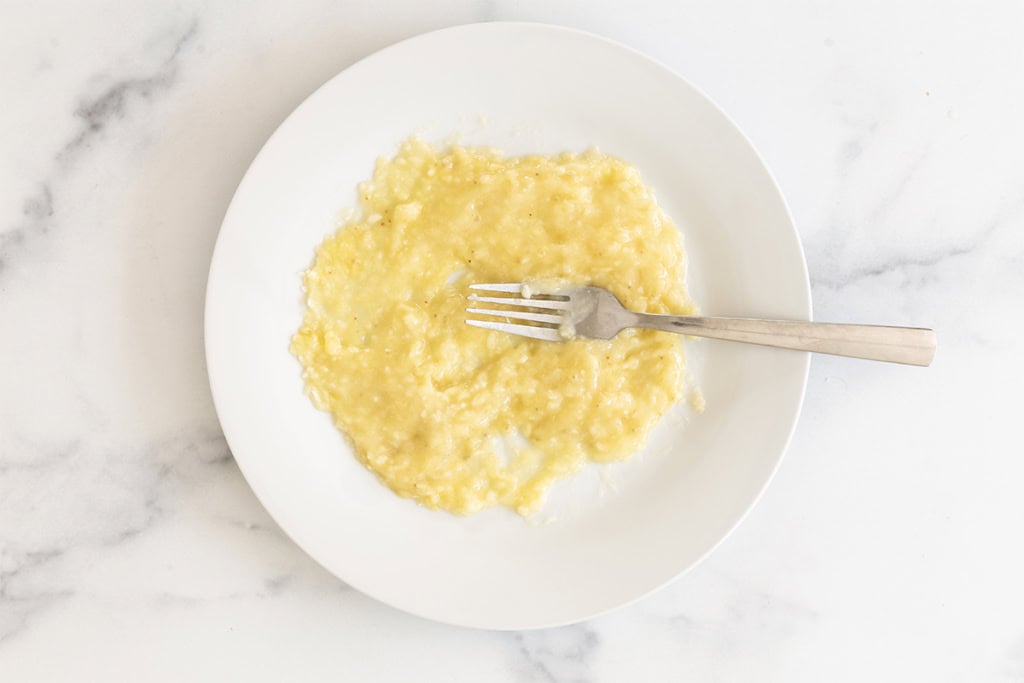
[{"x": 461, "y": 418}]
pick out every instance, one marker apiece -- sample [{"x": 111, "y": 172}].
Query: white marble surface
[{"x": 889, "y": 547}]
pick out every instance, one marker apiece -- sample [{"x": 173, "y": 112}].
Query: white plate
[{"x": 526, "y": 88}]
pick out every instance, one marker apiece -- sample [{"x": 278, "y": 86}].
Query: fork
[{"x": 596, "y": 313}]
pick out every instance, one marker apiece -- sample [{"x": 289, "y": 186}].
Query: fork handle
[{"x": 907, "y": 345}]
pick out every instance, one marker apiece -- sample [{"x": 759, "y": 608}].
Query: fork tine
[
  {"x": 519, "y": 315},
  {"x": 527, "y": 303},
  {"x": 543, "y": 333},
  {"x": 514, "y": 288}
]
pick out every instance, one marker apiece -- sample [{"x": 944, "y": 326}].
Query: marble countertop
[{"x": 890, "y": 545}]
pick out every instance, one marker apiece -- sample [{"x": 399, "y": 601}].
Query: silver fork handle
[{"x": 907, "y": 345}]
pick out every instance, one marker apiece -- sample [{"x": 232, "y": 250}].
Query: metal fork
[{"x": 594, "y": 312}]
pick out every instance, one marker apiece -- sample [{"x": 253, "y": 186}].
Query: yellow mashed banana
[{"x": 462, "y": 418}]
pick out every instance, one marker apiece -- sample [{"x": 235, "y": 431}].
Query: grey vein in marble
[
  {"x": 900, "y": 262},
  {"x": 95, "y": 114},
  {"x": 888, "y": 200},
  {"x": 113, "y": 102},
  {"x": 151, "y": 469},
  {"x": 560, "y": 655},
  {"x": 19, "y": 606}
]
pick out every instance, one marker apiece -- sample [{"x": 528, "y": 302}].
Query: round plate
[{"x": 611, "y": 534}]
